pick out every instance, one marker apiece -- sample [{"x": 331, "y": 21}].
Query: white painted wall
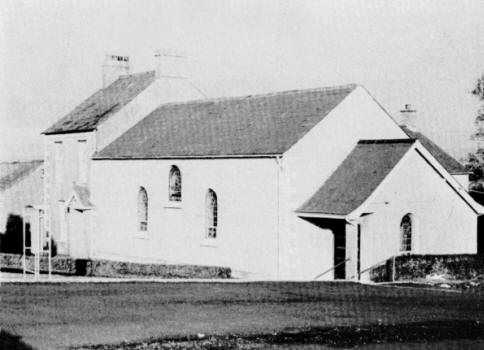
[
  {"x": 58, "y": 188},
  {"x": 307, "y": 249},
  {"x": 247, "y": 204},
  {"x": 161, "y": 91},
  {"x": 444, "y": 223}
]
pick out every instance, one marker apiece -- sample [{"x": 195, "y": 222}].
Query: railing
[{"x": 331, "y": 269}]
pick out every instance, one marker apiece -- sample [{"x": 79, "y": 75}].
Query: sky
[{"x": 428, "y": 54}]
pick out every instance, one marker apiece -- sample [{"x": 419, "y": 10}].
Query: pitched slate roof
[
  {"x": 250, "y": 125},
  {"x": 82, "y": 194},
  {"x": 12, "y": 172},
  {"x": 102, "y": 104},
  {"x": 357, "y": 177},
  {"x": 447, "y": 161}
]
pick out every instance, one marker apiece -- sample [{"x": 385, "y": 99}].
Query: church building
[{"x": 319, "y": 183}]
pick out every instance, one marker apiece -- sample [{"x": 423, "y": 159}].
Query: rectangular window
[
  {"x": 58, "y": 161},
  {"x": 82, "y": 161}
]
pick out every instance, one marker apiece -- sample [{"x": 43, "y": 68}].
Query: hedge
[
  {"x": 107, "y": 268},
  {"x": 413, "y": 266}
]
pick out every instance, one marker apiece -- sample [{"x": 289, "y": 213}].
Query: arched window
[
  {"x": 175, "y": 184},
  {"x": 406, "y": 233},
  {"x": 211, "y": 214},
  {"x": 142, "y": 209}
]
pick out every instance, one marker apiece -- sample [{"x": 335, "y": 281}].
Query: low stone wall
[
  {"x": 108, "y": 268},
  {"x": 60, "y": 265},
  {"x": 412, "y": 267}
]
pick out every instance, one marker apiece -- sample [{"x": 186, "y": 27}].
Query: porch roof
[{"x": 357, "y": 177}]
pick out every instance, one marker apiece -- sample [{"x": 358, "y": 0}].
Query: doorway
[
  {"x": 77, "y": 233},
  {"x": 480, "y": 234},
  {"x": 339, "y": 231}
]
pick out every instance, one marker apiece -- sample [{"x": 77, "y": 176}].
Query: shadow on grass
[
  {"x": 10, "y": 341},
  {"x": 334, "y": 337}
]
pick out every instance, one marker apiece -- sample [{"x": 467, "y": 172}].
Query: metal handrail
[
  {"x": 376, "y": 264},
  {"x": 393, "y": 257},
  {"x": 331, "y": 269}
]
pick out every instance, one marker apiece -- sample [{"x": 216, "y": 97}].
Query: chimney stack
[
  {"x": 170, "y": 64},
  {"x": 408, "y": 116},
  {"x": 113, "y": 67}
]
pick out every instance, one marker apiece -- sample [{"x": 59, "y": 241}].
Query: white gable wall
[
  {"x": 306, "y": 249},
  {"x": 444, "y": 223},
  {"x": 247, "y": 204}
]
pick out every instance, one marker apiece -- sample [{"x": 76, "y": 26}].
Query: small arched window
[
  {"x": 175, "y": 184},
  {"x": 142, "y": 209},
  {"x": 211, "y": 214},
  {"x": 406, "y": 228}
]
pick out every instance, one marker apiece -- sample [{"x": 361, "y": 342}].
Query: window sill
[
  {"x": 173, "y": 205},
  {"x": 142, "y": 235},
  {"x": 209, "y": 243}
]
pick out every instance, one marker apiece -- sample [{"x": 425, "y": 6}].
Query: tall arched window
[
  {"x": 211, "y": 214},
  {"x": 406, "y": 233},
  {"x": 142, "y": 209},
  {"x": 175, "y": 184}
]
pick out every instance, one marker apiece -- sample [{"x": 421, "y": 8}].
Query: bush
[{"x": 412, "y": 266}]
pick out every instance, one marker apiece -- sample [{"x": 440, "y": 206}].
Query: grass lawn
[{"x": 59, "y": 315}]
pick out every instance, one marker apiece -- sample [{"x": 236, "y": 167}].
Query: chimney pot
[
  {"x": 408, "y": 116},
  {"x": 113, "y": 67}
]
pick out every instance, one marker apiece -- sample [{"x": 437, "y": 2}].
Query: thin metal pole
[
  {"x": 393, "y": 269},
  {"x": 24, "y": 249},
  {"x": 49, "y": 258}
]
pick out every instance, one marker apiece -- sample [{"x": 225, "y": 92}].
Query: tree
[
  {"x": 479, "y": 121},
  {"x": 475, "y": 161}
]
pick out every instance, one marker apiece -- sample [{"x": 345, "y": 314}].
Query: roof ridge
[
  {"x": 385, "y": 141},
  {"x": 22, "y": 161},
  {"x": 267, "y": 94}
]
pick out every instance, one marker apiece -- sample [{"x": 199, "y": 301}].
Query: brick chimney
[
  {"x": 113, "y": 67},
  {"x": 408, "y": 116}
]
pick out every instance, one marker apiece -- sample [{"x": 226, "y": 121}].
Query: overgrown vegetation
[
  {"x": 414, "y": 267},
  {"x": 475, "y": 161}
]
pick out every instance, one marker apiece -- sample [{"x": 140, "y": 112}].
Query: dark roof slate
[
  {"x": 12, "y": 172},
  {"x": 250, "y": 125},
  {"x": 102, "y": 104},
  {"x": 447, "y": 161},
  {"x": 357, "y": 177},
  {"x": 83, "y": 195}
]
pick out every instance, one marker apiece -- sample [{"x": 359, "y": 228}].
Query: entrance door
[
  {"x": 340, "y": 251},
  {"x": 480, "y": 234},
  {"x": 358, "y": 253},
  {"x": 77, "y": 233}
]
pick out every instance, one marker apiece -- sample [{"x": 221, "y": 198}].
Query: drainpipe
[{"x": 279, "y": 166}]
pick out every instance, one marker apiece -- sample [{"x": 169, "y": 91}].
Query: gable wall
[
  {"x": 444, "y": 223},
  {"x": 308, "y": 250},
  {"x": 247, "y": 204},
  {"x": 163, "y": 90}
]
